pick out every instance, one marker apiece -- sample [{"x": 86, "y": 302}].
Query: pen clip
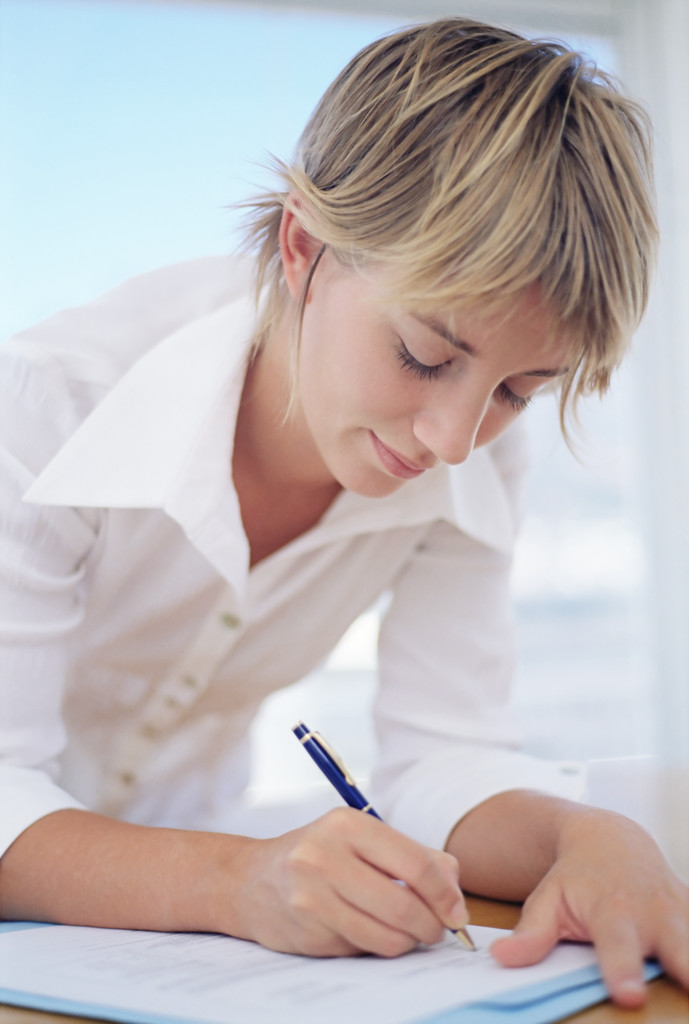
[{"x": 332, "y": 754}]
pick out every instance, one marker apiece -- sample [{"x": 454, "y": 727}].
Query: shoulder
[
  {"x": 55, "y": 373},
  {"x": 108, "y": 334}
]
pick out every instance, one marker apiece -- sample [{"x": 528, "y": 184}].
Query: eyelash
[
  {"x": 420, "y": 370},
  {"x": 517, "y": 402},
  {"x": 424, "y": 372}
]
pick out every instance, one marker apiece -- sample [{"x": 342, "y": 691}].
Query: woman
[{"x": 200, "y": 495}]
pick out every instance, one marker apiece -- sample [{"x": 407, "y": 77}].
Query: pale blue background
[{"x": 127, "y": 128}]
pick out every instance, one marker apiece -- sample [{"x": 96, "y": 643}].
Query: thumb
[{"x": 535, "y": 935}]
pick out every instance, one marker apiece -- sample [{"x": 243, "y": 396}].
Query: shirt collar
[{"x": 163, "y": 436}]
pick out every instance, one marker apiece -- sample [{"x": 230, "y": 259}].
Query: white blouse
[{"x": 136, "y": 645}]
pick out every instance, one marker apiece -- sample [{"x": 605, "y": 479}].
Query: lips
[{"x": 396, "y": 464}]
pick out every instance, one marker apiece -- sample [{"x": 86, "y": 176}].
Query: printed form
[{"x": 154, "y": 976}]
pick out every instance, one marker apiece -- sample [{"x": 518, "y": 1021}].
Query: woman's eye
[
  {"x": 422, "y": 370},
  {"x": 516, "y": 402}
]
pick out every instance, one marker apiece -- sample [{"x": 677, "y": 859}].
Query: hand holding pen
[{"x": 337, "y": 774}]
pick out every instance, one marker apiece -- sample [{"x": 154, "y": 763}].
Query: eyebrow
[
  {"x": 545, "y": 373},
  {"x": 439, "y": 327}
]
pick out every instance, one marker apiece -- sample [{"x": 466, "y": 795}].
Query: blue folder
[{"x": 544, "y": 1003}]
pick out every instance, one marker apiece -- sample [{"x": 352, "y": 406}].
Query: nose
[{"x": 449, "y": 430}]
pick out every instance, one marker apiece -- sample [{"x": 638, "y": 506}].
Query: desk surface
[{"x": 666, "y": 1004}]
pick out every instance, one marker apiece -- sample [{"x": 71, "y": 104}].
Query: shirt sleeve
[
  {"x": 42, "y": 557},
  {"x": 446, "y": 736},
  {"x": 51, "y": 377}
]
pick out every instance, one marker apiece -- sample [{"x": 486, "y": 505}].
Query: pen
[{"x": 337, "y": 774}]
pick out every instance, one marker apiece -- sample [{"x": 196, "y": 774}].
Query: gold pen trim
[{"x": 312, "y": 735}]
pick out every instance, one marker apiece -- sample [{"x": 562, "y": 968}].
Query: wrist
[
  {"x": 507, "y": 844},
  {"x": 225, "y": 886},
  {"x": 594, "y": 826}
]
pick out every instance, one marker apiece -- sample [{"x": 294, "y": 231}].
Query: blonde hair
[{"x": 470, "y": 163}]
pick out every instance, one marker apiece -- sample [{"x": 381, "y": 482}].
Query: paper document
[{"x": 154, "y": 977}]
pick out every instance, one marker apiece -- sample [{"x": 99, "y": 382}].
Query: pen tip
[{"x": 464, "y": 937}]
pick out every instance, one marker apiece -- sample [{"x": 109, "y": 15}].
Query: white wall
[{"x": 654, "y": 50}]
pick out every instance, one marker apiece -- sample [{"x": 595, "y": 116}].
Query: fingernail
[
  {"x": 631, "y": 987},
  {"x": 458, "y": 916}
]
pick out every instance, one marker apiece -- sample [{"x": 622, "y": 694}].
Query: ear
[{"x": 298, "y": 249}]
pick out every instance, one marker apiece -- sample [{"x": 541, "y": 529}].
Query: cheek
[
  {"x": 321, "y": 364},
  {"x": 355, "y": 377}
]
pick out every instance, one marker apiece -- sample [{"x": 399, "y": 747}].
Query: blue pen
[{"x": 337, "y": 774}]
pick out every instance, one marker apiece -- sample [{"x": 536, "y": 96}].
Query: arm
[
  {"x": 325, "y": 890},
  {"x": 75, "y": 867},
  {"x": 586, "y": 874}
]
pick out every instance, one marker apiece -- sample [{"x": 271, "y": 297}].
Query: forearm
[
  {"x": 326, "y": 889},
  {"x": 507, "y": 844},
  {"x": 74, "y": 867}
]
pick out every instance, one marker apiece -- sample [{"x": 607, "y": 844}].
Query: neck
[{"x": 283, "y": 486}]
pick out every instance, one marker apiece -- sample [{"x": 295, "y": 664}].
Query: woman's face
[{"x": 385, "y": 395}]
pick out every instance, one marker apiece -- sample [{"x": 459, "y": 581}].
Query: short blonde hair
[{"x": 470, "y": 163}]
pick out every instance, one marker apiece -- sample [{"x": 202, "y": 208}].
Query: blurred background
[{"x": 128, "y": 128}]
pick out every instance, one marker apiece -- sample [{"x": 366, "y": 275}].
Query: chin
[{"x": 370, "y": 485}]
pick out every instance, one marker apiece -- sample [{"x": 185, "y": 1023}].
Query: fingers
[
  {"x": 328, "y": 925},
  {"x": 535, "y": 935},
  {"x": 617, "y": 945},
  {"x": 388, "y": 901},
  {"x": 352, "y": 878},
  {"x": 658, "y": 927},
  {"x": 625, "y": 927},
  {"x": 620, "y": 957},
  {"x": 673, "y": 943},
  {"x": 545, "y": 921},
  {"x": 431, "y": 875}
]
